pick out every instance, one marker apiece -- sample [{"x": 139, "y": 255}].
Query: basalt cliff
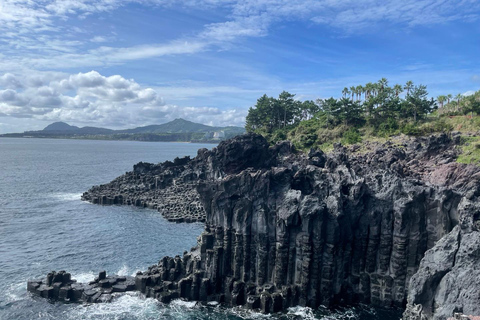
[{"x": 393, "y": 224}]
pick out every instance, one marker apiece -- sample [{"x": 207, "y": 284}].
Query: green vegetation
[
  {"x": 374, "y": 111},
  {"x": 460, "y": 105},
  {"x": 470, "y": 151}
]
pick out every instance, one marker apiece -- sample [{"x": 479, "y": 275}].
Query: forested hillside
[{"x": 370, "y": 111}]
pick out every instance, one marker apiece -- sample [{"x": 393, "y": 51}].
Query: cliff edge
[{"x": 393, "y": 224}]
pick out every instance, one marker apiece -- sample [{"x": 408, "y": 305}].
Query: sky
[{"x": 128, "y": 63}]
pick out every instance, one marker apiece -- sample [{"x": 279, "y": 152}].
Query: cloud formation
[
  {"x": 34, "y": 29},
  {"x": 94, "y": 99},
  {"x": 37, "y": 37}
]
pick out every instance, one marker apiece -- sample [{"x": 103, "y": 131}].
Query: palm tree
[
  {"x": 353, "y": 89},
  {"x": 408, "y": 86},
  {"x": 345, "y": 92},
  {"x": 359, "y": 89},
  {"x": 383, "y": 83},
  {"x": 368, "y": 90},
  {"x": 375, "y": 87},
  {"x": 449, "y": 96},
  {"x": 458, "y": 97},
  {"x": 441, "y": 99},
  {"x": 398, "y": 89}
]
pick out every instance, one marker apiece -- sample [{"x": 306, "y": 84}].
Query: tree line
[
  {"x": 459, "y": 105},
  {"x": 375, "y": 104},
  {"x": 270, "y": 114}
]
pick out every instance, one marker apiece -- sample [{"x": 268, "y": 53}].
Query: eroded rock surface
[{"x": 396, "y": 225}]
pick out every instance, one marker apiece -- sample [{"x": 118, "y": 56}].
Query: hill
[
  {"x": 176, "y": 130},
  {"x": 175, "y": 126},
  {"x": 60, "y": 126}
]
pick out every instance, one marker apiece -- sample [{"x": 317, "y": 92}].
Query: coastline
[
  {"x": 239, "y": 265},
  {"x": 87, "y": 139}
]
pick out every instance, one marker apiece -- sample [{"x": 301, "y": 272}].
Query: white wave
[
  {"x": 302, "y": 312},
  {"x": 66, "y": 196},
  {"x": 130, "y": 305},
  {"x": 90, "y": 276},
  {"x": 84, "y": 277},
  {"x": 248, "y": 314},
  {"x": 14, "y": 291},
  {"x": 124, "y": 271},
  {"x": 183, "y": 303}
]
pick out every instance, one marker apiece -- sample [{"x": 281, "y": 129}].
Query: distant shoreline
[{"x": 88, "y": 139}]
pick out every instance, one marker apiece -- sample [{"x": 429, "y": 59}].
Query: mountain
[
  {"x": 60, "y": 126},
  {"x": 176, "y": 130},
  {"x": 175, "y": 126}
]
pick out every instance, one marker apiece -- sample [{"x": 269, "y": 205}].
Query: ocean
[{"x": 44, "y": 226}]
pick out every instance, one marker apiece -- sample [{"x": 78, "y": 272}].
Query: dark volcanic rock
[
  {"x": 394, "y": 226},
  {"x": 58, "y": 286}
]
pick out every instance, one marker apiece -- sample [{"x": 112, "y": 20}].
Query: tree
[
  {"x": 288, "y": 106},
  {"x": 308, "y": 109},
  {"x": 376, "y": 89},
  {"x": 458, "y": 97},
  {"x": 417, "y": 103},
  {"x": 408, "y": 86},
  {"x": 345, "y": 92},
  {"x": 441, "y": 99},
  {"x": 359, "y": 91},
  {"x": 383, "y": 83},
  {"x": 472, "y": 104},
  {"x": 353, "y": 89},
  {"x": 398, "y": 89},
  {"x": 350, "y": 112},
  {"x": 331, "y": 110},
  {"x": 449, "y": 97},
  {"x": 261, "y": 116},
  {"x": 368, "y": 90}
]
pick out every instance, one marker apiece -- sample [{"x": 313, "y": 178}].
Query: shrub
[
  {"x": 351, "y": 136},
  {"x": 387, "y": 128},
  {"x": 411, "y": 129}
]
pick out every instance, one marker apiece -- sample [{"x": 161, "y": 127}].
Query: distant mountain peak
[
  {"x": 181, "y": 120},
  {"x": 59, "y": 126}
]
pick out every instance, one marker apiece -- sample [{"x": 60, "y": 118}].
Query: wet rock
[{"x": 68, "y": 290}]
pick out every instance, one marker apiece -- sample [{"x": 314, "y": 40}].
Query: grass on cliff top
[
  {"x": 470, "y": 151},
  {"x": 313, "y": 134},
  {"x": 464, "y": 123}
]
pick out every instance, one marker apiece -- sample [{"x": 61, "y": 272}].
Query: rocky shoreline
[
  {"x": 165, "y": 187},
  {"x": 389, "y": 225}
]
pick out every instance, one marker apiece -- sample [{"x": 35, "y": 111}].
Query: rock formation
[
  {"x": 388, "y": 225},
  {"x": 59, "y": 286},
  {"x": 166, "y": 187}
]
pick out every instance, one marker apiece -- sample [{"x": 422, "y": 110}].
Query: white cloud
[
  {"x": 33, "y": 37},
  {"x": 9, "y": 80},
  {"x": 94, "y": 99},
  {"x": 98, "y": 39},
  {"x": 37, "y": 35}
]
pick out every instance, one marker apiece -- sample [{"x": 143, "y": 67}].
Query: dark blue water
[{"x": 45, "y": 226}]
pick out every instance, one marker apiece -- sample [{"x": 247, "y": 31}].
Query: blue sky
[{"x": 121, "y": 64}]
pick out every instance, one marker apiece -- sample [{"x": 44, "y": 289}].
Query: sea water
[{"x": 44, "y": 226}]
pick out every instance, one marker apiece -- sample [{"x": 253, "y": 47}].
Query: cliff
[{"x": 388, "y": 225}]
